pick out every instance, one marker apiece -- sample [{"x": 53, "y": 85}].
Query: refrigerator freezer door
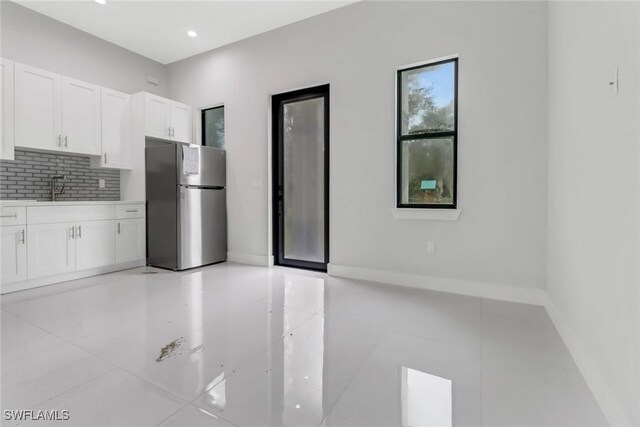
[
  {"x": 162, "y": 205},
  {"x": 201, "y": 166},
  {"x": 202, "y": 227}
]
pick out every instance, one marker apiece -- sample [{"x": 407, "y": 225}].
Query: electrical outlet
[
  {"x": 431, "y": 247},
  {"x": 614, "y": 84},
  {"x": 101, "y": 183}
]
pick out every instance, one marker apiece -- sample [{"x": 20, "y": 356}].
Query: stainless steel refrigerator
[{"x": 186, "y": 205}]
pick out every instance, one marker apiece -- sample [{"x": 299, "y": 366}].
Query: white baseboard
[
  {"x": 251, "y": 259},
  {"x": 456, "y": 286},
  {"x": 595, "y": 380},
  {"x": 601, "y": 391},
  {"x": 50, "y": 280}
]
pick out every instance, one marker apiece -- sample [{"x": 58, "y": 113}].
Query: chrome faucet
[{"x": 56, "y": 191}]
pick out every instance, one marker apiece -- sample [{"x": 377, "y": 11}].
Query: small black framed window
[
  {"x": 213, "y": 127},
  {"x": 427, "y": 135}
]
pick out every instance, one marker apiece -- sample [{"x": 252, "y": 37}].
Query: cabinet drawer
[
  {"x": 130, "y": 211},
  {"x": 14, "y": 215},
  {"x": 56, "y": 214}
]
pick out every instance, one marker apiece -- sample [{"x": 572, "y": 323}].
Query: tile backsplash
[{"x": 27, "y": 177}]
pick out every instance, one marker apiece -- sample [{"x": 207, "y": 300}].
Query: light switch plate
[{"x": 101, "y": 183}]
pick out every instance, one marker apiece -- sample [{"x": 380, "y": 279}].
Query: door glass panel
[{"x": 303, "y": 179}]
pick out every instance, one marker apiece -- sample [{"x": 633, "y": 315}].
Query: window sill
[{"x": 427, "y": 214}]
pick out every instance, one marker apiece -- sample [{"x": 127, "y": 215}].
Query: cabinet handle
[
  {"x": 169, "y": 131},
  {"x": 22, "y": 236},
  {"x": 173, "y": 131},
  {"x": 13, "y": 215},
  {"x": 105, "y": 158},
  {"x": 131, "y": 210},
  {"x": 17, "y": 243},
  {"x": 118, "y": 228},
  {"x": 79, "y": 232},
  {"x": 72, "y": 233},
  {"x": 66, "y": 142},
  {"x": 60, "y": 141}
]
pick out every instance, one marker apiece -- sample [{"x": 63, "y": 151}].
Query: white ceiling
[{"x": 158, "y": 29}]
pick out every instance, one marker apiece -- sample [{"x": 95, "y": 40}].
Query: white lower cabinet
[
  {"x": 95, "y": 244},
  {"x": 49, "y": 243},
  {"x": 130, "y": 240},
  {"x": 13, "y": 247},
  {"x": 51, "y": 249}
]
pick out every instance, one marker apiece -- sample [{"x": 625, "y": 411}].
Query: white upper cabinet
[
  {"x": 53, "y": 112},
  {"x": 38, "y": 108},
  {"x": 6, "y": 110},
  {"x": 167, "y": 119},
  {"x": 116, "y": 130},
  {"x": 180, "y": 122},
  {"x": 157, "y": 116},
  {"x": 80, "y": 117},
  {"x": 46, "y": 111}
]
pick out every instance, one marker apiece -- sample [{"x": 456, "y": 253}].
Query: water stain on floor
[{"x": 169, "y": 349}]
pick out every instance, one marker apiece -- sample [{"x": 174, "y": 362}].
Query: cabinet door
[
  {"x": 180, "y": 122},
  {"x": 6, "y": 109},
  {"x": 14, "y": 254},
  {"x": 37, "y": 108},
  {"x": 51, "y": 249},
  {"x": 80, "y": 117},
  {"x": 116, "y": 129},
  {"x": 131, "y": 240},
  {"x": 95, "y": 244},
  {"x": 157, "y": 112}
]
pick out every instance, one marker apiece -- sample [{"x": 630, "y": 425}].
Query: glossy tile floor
[{"x": 256, "y": 346}]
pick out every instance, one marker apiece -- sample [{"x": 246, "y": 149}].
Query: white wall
[
  {"x": 500, "y": 237},
  {"x": 594, "y": 198},
  {"x": 39, "y": 41}
]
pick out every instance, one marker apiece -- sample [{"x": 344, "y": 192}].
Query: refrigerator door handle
[{"x": 200, "y": 187}]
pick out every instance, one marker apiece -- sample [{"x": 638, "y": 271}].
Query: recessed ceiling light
[
  {"x": 190, "y": 33},
  {"x": 101, "y": 1}
]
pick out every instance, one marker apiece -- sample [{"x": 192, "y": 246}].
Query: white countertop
[{"x": 68, "y": 203}]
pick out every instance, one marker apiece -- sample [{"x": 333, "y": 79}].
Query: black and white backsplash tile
[{"x": 28, "y": 177}]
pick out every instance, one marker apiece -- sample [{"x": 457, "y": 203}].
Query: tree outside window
[{"x": 213, "y": 127}]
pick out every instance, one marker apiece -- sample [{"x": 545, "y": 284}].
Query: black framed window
[
  {"x": 213, "y": 127},
  {"x": 427, "y": 135}
]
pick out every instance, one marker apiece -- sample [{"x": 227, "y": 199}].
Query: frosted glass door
[{"x": 302, "y": 180}]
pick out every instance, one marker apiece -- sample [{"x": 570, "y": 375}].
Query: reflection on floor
[{"x": 256, "y": 346}]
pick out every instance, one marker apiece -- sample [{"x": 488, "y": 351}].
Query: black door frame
[{"x": 277, "y": 103}]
